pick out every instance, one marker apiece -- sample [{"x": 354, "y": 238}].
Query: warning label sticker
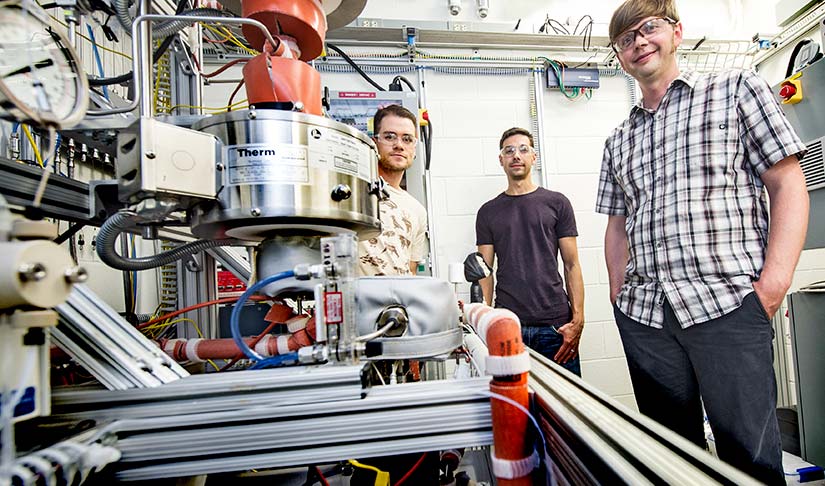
[
  {"x": 333, "y": 151},
  {"x": 334, "y": 307}
]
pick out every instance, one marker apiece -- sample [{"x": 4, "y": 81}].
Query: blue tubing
[
  {"x": 275, "y": 361},
  {"x": 234, "y": 320}
]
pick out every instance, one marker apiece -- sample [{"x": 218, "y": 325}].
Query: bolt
[
  {"x": 255, "y": 212},
  {"x": 31, "y": 272},
  {"x": 252, "y": 115},
  {"x": 150, "y": 155},
  {"x": 341, "y": 192},
  {"x": 219, "y": 166},
  {"x": 298, "y": 106},
  {"x": 76, "y": 275}
]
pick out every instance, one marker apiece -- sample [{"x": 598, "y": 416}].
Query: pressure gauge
[{"x": 40, "y": 79}]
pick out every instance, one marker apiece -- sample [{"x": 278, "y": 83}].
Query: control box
[{"x": 574, "y": 78}]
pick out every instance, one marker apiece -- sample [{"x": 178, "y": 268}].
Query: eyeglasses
[
  {"x": 648, "y": 29},
  {"x": 510, "y": 150},
  {"x": 389, "y": 138}
]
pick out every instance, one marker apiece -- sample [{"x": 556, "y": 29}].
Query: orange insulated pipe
[{"x": 509, "y": 364}]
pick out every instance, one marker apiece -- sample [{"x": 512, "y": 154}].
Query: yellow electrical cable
[
  {"x": 104, "y": 47},
  {"x": 382, "y": 478},
  {"x": 225, "y": 37},
  {"x": 34, "y": 145},
  {"x": 90, "y": 40},
  {"x": 207, "y": 108},
  {"x": 156, "y": 88},
  {"x": 229, "y": 36},
  {"x": 238, "y": 42}
]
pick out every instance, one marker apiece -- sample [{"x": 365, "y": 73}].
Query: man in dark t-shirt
[{"x": 526, "y": 227}]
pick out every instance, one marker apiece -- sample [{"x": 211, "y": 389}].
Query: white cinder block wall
[
  {"x": 575, "y": 135},
  {"x": 469, "y": 114}
]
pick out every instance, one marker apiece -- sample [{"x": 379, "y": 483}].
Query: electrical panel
[
  {"x": 574, "y": 78},
  {"x": 356, "y": 108},
  {"x": 806, "y": 118}
]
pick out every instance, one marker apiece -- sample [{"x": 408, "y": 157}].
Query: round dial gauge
[{"x": 40, "y": 79}]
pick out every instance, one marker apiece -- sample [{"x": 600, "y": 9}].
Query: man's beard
[{"x": 387, "y": 166}]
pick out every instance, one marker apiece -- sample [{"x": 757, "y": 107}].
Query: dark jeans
[
  {"x": 728, "y": 362},
  {"x": 546, "y": 340}
]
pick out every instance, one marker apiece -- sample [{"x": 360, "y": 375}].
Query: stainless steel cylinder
[
  {"x": 282, "y": 253},
  {"x": 285, "y": 173}
]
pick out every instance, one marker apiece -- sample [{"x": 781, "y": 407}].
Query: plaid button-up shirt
[{"x": 687, "y": 177}]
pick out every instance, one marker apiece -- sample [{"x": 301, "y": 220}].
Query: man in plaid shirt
[{"x": 696, "y": 270}]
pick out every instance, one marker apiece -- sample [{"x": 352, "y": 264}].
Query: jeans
[
  {"x": 546, "y": 340},
  {"x": 725, "y": 364}
]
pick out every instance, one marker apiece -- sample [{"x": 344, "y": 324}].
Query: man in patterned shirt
[
  {"x": 696, "y": 270},
  {"x": 401, "y": 244},
  {"x": 396, "y": 251}
]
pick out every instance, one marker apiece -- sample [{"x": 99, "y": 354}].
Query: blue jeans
[
  {"x": 546, "y": 340},
  {"x": 725, "y": 364}
]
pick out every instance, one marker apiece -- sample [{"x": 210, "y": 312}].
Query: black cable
[
  {"x": 125, "y": 78},
  {"x": 798, "y": 47},
  {"x": 576, "y": 29},
  {"x": 73, "y": 229},
  {"x": 587, "y": 34},
  {"x": 425, "y": 141},
  {"x": 428, "y": 143},
  {"x": 128, "y": 301},
  {"x": 405, "y": 80},
  {"x": 563, "y": 31},
  {"x": 355, "y": 66},
  {"x": 159, "y": 52}
]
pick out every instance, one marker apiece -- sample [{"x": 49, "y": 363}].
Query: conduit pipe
[
  {"x": 302, "y": 333},
  {"x": 509, "y": 364}
]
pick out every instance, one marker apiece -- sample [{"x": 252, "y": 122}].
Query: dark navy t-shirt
[{"x": 524, "y": 231}]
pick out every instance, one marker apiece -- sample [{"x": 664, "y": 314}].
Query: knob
[
  {"x": 787, "y": 91},
  {"x": 341, "y": 192}
]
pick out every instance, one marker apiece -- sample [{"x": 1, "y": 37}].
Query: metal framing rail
[
  {"x": 108, "y": 346},
  {"x": 595, "y": 440},
  {"x": 289, "y": 427}
]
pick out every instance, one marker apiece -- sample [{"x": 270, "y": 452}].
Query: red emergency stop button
[{"x": 791, "y": 90}]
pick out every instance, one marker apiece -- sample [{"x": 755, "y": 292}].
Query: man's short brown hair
[
  {"x": 632, "y": 12},
  {"x": 394, "y": 110},
  {"x": 515, "y": 131}
]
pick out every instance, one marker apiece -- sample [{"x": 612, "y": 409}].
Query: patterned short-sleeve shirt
[
  {"x": 687, "y": 176},
  {"x": 402, "y": 239}
]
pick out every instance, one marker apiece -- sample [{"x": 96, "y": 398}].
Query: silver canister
[{"x": 286, "y": 173}]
